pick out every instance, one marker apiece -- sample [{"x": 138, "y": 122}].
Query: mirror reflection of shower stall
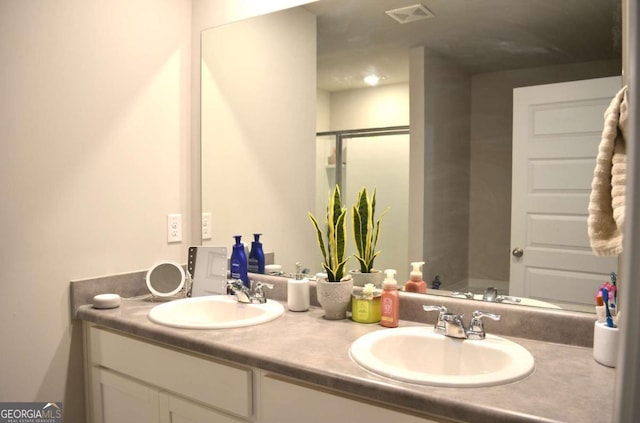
[{"x": 375, "y": 158}]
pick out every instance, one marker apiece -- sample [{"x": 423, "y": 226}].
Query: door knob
[{"x": 518, "y": 252}]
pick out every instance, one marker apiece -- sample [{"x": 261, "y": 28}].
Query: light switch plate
[
  {"x": 206, "y": 225},
  {"x": 174, "y": 228}
]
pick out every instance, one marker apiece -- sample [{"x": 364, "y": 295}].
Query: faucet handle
[
  {"x": 480, "y": 314},
  {"x": 476, "y": 328},
  {"x": 258, "y": 291},
  {"x": 468, "y": 295},
  {"x": 261, "y": 285},
  {"x": 234, "y": 285},
  {"x": 442, "y": 310},
  {"x": 508, "y": 298}
]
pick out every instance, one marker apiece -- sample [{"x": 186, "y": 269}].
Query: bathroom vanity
[
  {"x": 133, "y": 380},
  {"x": 297, "y": 368}
]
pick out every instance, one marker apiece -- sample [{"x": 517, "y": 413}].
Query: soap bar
[{"x": 106, "y": 301}]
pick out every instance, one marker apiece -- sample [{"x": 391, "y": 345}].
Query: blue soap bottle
[
  {"x": 256, "y": 256},
  {"x": 239, "y": 262}
]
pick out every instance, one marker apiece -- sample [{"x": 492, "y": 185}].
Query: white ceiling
[{"x": 356, "y": 36}]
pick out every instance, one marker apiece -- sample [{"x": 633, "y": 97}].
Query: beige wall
[
  {"x": 258, "y": 125},
  {"x": 447, "y": 99},
  {"x": 207, "y": 14},
  {"x": 94, "y": 153},
  {"x": 386, "y": 105}
]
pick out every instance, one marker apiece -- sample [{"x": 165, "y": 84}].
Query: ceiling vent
[{"x": 404, "y": 15}]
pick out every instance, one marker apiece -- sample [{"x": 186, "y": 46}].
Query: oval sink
[
  {"x": 418, "y": 355},
  {"x": 214, "y": 312}
]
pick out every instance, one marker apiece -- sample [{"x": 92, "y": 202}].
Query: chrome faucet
[
  {"x": 491, "y": 295},
  {"x": 452, "y": 325},
  {"x": 253, "y": 295}
]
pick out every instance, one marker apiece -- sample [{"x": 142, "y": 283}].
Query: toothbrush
[
  {"x": 614, "y": 279},
  {"x": 605, "y": 298}
]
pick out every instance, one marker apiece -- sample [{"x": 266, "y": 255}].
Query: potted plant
[
  {"x": 366, "y": 232},
  {"x": 334, "y": 293}
]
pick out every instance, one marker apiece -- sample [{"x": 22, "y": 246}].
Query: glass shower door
[{"x": 376, "y": 160}]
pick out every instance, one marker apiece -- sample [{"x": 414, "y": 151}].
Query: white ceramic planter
[
  {"x": 360, "y": 279},
  {"x": 335, "y": 298}
]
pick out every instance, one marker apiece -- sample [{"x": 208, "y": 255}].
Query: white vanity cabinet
[{"x": 130, "y": 380}]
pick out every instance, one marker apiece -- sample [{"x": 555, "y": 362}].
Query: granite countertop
[{"x": 567, "y": 384}]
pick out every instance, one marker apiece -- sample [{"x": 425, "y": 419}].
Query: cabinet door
[
  {"x": 219, "y": 385},
  {"x": 174, "y": 409},
  {"x": 118, "y": 399},
  {"x": 285, "y": 402}
]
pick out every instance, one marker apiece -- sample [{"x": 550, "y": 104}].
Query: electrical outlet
[
  {"x": 206, "y": 225},
  {"x": 174, "y": 228}
]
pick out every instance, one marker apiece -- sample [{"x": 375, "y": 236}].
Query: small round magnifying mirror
[{"x": 165, "y": 279}]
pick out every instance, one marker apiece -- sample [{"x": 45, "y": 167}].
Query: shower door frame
[{"x": 342, "y": 135}]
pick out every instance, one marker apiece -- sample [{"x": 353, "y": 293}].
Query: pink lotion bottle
[
  {"x": 415, "y": 282},
  {"x": 390, "y": 301}
]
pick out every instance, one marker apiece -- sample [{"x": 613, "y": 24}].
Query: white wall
[
  {"x": 213, "y": 13},
  {"x": 207, "y": 14},
  {"x": 386, "y": 105},
  {"x": 258, "y": 125},
  {"x": 323, "y": 111},
  {"x": 94, "y": 119}
]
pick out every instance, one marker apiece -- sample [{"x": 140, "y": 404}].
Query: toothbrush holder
[{"x": 605, "y": 344}]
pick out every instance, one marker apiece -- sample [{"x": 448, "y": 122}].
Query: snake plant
[
  {"x": 334, "y": 250},
  {"x": 366, "y": 231}
]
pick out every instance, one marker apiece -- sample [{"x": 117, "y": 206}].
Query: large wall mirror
[{"x": 270, "y": 83}]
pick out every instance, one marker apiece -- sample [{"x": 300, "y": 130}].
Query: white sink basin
[
  {"x": 214, "y": 312},
  {"x": 418, "y": 355},
  {"x": 525, "y": 302}
]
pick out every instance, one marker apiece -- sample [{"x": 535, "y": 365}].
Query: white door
[{"x": 556, "y": 133}]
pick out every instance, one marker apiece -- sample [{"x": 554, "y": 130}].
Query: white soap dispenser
[{"x": 298, "y": 291}]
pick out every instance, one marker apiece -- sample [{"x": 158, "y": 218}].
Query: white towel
[{"x": 606, "y": 203}]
